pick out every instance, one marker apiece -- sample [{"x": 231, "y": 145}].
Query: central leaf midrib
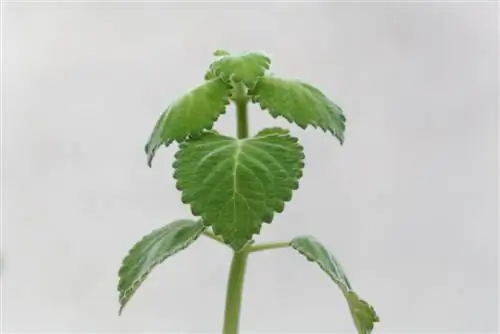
[{"x": 236, "y": 157}]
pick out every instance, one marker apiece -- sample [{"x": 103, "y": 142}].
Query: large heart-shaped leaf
[
  {"x": 363, "y": 315},
  {"x": 300, "y": 103},
  {"x": 194, "y": 112},
  {"x": 246, "y": 67},
  {"x": 237, "y": 184},
  {"x": 153, "y": 249}
]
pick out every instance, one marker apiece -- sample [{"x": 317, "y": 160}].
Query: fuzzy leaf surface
[
  {"x": 237, "y": 184},
  {"x": 247, "y": 67},
  {"x": 194, "y": 112},
  {"x": 299, "y": 103},
  {"x": 153, "y": 249},
  {"x": 363, "y": 315}
]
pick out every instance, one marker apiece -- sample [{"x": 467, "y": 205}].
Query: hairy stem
[
  {"x": 236, "y": 278},
  {"x": 267, "y": 246}
]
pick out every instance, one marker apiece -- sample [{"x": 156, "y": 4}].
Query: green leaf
[
  {"x": 236, "y": 184},
  {"x": 220, "y": 52},
  {"x": 364, "y": 316},
  {"x": 153, "y": 249},
  {"x": 194, "y": 112},
  {"x": 299, "y": 103},
  {"x": 247, "y": 67}
]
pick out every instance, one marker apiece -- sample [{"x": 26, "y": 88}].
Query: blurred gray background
[{"x": 408, "y": 204}]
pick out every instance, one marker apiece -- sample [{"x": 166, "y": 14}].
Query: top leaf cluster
[{"x": 198, "y": 109}]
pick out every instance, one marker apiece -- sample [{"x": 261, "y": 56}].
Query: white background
[{"x": 408, "y": 204}]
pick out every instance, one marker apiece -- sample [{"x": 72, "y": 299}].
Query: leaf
[
  {"x": 194, "y": 112},
  {"x": 247, "y": 67},
  {"x": 220, "y": 52},
  {"x": 364, "y": 315},
  {"x": 236, "y": 184},
  {"x": 299, "y": 103},
  {"x": 153, "y": 249}
]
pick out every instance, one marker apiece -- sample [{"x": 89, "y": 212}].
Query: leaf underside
[
  {"x": 299, "y": 103},
  {"x": 363, "y": 315},
  {"x": 153, "y": 249},
  {"x": 237, "y": 184},
  {"x": 247, "y": 67},
  {"x": 190, "y": 115}
]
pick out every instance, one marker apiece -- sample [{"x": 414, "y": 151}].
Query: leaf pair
[
  {"x": 198, "y": 110},
  {"x": 169, "y": 240}
]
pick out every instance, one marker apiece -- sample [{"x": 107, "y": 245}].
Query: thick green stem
[
  {"x": 240, "y": 99},
  {"x": 235, "y": 292},
  {"x": 236, "y": 278},
  {"x": 242, "y": 117}
]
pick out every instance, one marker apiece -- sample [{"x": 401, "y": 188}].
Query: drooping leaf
[
  {"x": 363, "y": 315},
  {"x": 153, "y": 249},
  {"x": 247, "y": 67},
  {"x": 194, "y": 112},
  {"x": 237, "y": 184},
  {"x": 299, "y": 103}
]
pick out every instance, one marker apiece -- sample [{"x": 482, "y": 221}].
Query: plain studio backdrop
[{"x": 408, "y": 204}]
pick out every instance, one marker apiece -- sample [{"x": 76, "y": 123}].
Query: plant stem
[
  {"x": 236, "y": 277},
  {"x": 242, "y": 117},
  {"x": 266, "y": 246},
  {"x": 240, "y": 99},
  {"x": 235, "y": 292}
]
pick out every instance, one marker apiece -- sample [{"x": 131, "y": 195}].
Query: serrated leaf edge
[
  {"x": 127, "y": 294},
  {"x": 229, "y": 79},
  {"x": 205, "y": 126},
  {"x": 281, "y": 132},
  {"x": 314, "y": 124}
]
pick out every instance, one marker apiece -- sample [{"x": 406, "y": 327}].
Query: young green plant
[{"x": 234, "y": 185}]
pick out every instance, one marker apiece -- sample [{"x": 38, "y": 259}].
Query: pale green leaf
[
  {"x": 364, "y": 315},
  {"x": 299, "y": 103},
  {"x": 194, "y": 112},
  {"x": 247, "y": 67},
  {"x": 220, "y": 52},
  {"x": 153, "y": 249},
  {"x": 237, "y": 184}
]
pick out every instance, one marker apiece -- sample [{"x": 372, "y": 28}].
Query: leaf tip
[
  {"x": 150, "y": 161},
  {"x": 341, "y": 139},
  {"x": 220, "y": 52}
]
